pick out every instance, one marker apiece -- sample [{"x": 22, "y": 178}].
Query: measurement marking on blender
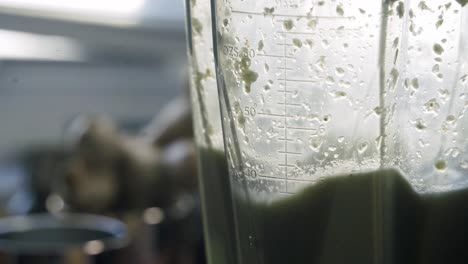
[
  {"x": 299, "y": 128},
  {"x": 269, "y": 177},
  {"x": 288, "y": 104},
  {"x": 287, "y": 15},
  {"x": 277, "y": 115},
  {"x": 285, "y": 113},
  {"x": 285, "y": 139},
  {"x": 275, "y": 56},
  {"x": 289, "y": 152},
  {"x": 299, "y": 180},
  {"x": 296, "y": 33},
  {"x": 282, "y": 68},
  {"x": 283, "y": 91},
  {"x": 306, "y": 81},
  {"x": 310, "y": 17},
  {"x": 276, "y": 178},
  {"x": 284, "y": 44},
  {"x": 286, "y": 165}
]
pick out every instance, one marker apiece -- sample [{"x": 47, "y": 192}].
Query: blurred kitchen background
[{"x": 61, "y": 60}]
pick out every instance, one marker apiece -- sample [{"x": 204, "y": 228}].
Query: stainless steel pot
[{"x": 61, "y": 238}]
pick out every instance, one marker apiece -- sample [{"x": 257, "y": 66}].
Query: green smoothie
[{"x": 373, "y": 217}]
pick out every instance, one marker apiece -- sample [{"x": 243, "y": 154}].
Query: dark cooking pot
[{"x": 61, "y": 238}]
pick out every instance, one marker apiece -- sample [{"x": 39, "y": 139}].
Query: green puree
[{"x": 350, "y": 219}]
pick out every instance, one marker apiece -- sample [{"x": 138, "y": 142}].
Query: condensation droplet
[
  {"x": 415, "y": 83},
  {"x": 440, "y": 165},
  {"x": 330, "y": 80},
  {"x": 396, "y": 41},
  {"x": 339, "y": 10},
  {"x": 341, "y": 139},
  {"x": 297, "y": 42},
  {"x": 438, "y": 49},
  {"x": 361, "y": 148},
  {"x": 312, "y": 24},
  {"x": 464, "y": 164},
  {"x": 268, "y": 11},
  {"x": 315, "y": 145},
  {"x": 339, "y": 94},
  {"x": 432, "y": 106},
  {"x": 288, "y": 24},
  {"x": 451, "y": 119},
  {"x": 339, "y": 71},
  {"x": 420, "y": 124},
  {"x": 325, "y": 44},
  {"x": 260, "y": 45},
  {"x": 320, "y": 63}
]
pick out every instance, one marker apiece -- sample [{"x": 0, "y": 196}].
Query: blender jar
[{"x": 344, "y": 129}]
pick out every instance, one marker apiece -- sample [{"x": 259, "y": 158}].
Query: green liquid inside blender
[{"x": 334, "y": 221}]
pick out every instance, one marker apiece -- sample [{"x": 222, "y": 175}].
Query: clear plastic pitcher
[{"x": 344, "y": 130}]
